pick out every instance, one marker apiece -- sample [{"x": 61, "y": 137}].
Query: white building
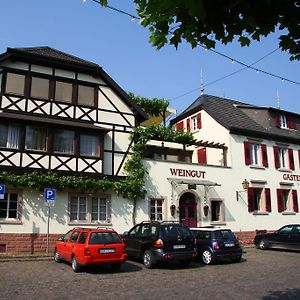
[{"x": 63, "y": 114}]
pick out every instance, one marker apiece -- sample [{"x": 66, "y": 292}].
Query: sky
[{"x": 121, "y": 47}]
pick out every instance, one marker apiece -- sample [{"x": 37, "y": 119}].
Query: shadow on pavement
[{"x": 289, "y": 294}]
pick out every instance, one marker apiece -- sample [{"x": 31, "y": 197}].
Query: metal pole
[{"x": 48, "y": 226}]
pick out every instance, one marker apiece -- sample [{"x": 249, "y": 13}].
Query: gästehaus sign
[
  {"x": 187, "y": 173},
  {"x": 291, "y": 177}
]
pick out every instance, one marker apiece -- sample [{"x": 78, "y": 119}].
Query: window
[
  {"x": 86, "y": 95},
  {"x": 63, "y": 91},
  {"x": 284, "y": 158},
  {"x": 63, "y": 141},
  {"x": 10, "y": 207},
  {"x": 90, "y": 209},
  {"x": 194, "y": 123},
  {"x": 156, "y": 209},
  {"x": 36, "y": 138},
  {"x": 255, "y": 154},
  {"x": 15, "y": 84},
  {"x": 259, "y": 199},
  {"x": 283, "y": 122},
  {"x": 9, "y": 136},
  {"x": 179, "y": 126},
  {"x": 74, "y": 237},
  {"x": 89, "y": 145},
  {"x": 39, "y": 88},
  {"x": 286, "y": 122},
  {"x": 287, "y": 200},
  {"x": 217, "y": 214}
]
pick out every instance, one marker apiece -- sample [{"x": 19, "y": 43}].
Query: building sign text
[{"x": 187, "y": 173}]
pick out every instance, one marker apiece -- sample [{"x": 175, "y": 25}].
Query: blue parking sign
[
  {"x": 2, "y": 191},
  {"x": 49, "y": 194}
]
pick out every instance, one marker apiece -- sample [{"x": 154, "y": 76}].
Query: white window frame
[
  {"x": 18, "y": 216},
  {"x": 154, "y": 209},
  {"x": 221, "y": 211},
  {"x": 287, "y": 200},
  {"x": 283, "y": 121},
  {"x": 282, "y": 157},
  {"x": 255, "y": 152},
  {"x": 194, "y": 123},
  {"x": 89, "y": 209}
]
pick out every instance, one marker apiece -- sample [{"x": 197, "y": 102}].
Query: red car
[{"x": 87, "y": 246}]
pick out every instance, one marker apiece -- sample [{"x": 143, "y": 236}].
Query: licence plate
[
  {"x": 178, "y": 246},
  {"x": 104, "y": 251},
  {"x": 229, "y": 244}
]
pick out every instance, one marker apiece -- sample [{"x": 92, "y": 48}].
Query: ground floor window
[
  {"x": 259, "y": 199},
  {"x": 10, "y": 207},
  {"x": 156, "y": 209},
  {"x": 90, "y": 209},
  {"x": 287, "y": 200},
  {"x": 217, "y": 211}
]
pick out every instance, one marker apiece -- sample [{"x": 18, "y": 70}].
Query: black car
[
  {"x": 287, "y": 237},
  {"x": 155, "y": 241},
  {"x": 216, "y": 243}
]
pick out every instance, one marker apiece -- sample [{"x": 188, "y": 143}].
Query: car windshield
[
  {"x": 104, "y": 238},
  {"x": 175, "y": 230},
  {"x": 224, "y": 235}
]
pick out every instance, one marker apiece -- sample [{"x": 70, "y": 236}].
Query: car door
[
  {"x": 70, "y": 244},
  {"x": 131, "y": 240},
  {"x": 62, "y": 245},
  {"x": 282, "y": 238}
]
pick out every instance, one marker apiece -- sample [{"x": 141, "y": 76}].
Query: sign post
[
  {"x": 2, "y": 191},
  {"x": 49, "y": 196}
]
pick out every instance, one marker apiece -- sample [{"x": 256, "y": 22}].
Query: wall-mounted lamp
[
  {"x": 205, "y": 210},
  {"x": 245, "y": 185},
  {"x": 173, "y": 210}
]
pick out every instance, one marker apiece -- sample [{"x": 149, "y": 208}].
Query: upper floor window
[
  {"x": 284, "y": 121},
  {"x": 287, "y": 200},
  {"x": 86, "y": 95},
  {"x": 89, "y": 145},
  {"x": 194, "y": 123},
  {"x": 36, "y": 138},
  {"x": 284, "y": 158},
  {"x": 63, "y": 141},
  {"x": 259, "y": 199},
  {"x": 63, "y": 91},
  {"x": 39, "y": 87},
  {"x": 15, "y": 84},
  {"x": 9, "y": 136},
  {"x": 255, "y": 154}
]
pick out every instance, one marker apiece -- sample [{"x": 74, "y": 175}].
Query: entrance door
[{"x": 188, "y": 210}]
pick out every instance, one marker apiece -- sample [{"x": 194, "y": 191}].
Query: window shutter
[
  {"x": 276, "y": 158},
  {"x": 247, "y": 153},
  {"x": 279, "y": 200},
  {"x": 295, "y": 201},
  {"x": 291, "y": 159},
  {"x": 277, "y": 120},
  {"x": 188, "y": 124},
  {"x": 250, "y": 193},
  {"x": 291, "y": 123},
  {"x": 202, "y": 156},
  {"x": 199, "y": 124},
  {"x": 179, "y": 126},
  {"x": 264, "y": 154},
  {"x": 268, "y": 200},
  {"x": 299, "y": 157}
]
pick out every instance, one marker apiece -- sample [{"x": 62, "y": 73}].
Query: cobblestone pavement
[{"x": 261, "y": 275}]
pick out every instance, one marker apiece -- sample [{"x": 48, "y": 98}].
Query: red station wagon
[{"x": 87, "y": 246}]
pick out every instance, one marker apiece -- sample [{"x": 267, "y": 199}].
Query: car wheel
[
  {"x": 237, "y": 259},
  {"x": 207, "y": 257},
  {"x": 263, "y": 245},
  {"x": 56, "y": 256},
  {"x": 148, "y": 259},
  {"x": 115, "y": 267},
  {"x": 75, "y": 265}
]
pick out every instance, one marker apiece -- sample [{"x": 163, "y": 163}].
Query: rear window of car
[
  {"x": 104, "y": 238},
  {"x": 224, "y": 234},
  {"x": 175, "y": 230}
]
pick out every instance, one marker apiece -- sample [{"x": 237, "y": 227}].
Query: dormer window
[{"x": 285, "y": 122}]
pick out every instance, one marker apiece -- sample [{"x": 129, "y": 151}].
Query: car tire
[
  {"x": 237, "y": 259},
  {"x": 207, "y": 257},
  {"x": 115, "y": 267},
  {"x": 263, "y": 244},
  {"x": 75, "y": 265},
  {"x": 148, "y": 259},
  {"x": 56, "y": 256}
]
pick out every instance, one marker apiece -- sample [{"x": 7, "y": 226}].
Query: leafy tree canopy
[{"x": 207, "y": 21}]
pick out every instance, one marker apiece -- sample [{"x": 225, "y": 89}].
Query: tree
[{"x": 203, "y": 22}]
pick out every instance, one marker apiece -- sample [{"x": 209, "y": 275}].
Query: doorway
[{"x": 188, "y": 210}]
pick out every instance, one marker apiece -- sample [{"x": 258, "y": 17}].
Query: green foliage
[{"x": 205, "y": 22}]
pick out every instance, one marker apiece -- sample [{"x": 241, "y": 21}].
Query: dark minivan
[
  {"x": 154, "y": 241},
  {"x": 216, "y": 243}
]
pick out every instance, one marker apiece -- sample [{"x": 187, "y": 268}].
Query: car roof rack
[
  {"x": 170, "y": 221},
  {"x": 105, "y": 227},
  {"x": 149, "y": 221}
]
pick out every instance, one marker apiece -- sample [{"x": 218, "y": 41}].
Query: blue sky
[{"x": 121, "y": 47}]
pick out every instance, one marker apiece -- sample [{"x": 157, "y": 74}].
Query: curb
[{"x": 25, "y": 258}]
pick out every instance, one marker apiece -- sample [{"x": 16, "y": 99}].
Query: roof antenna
[
  {"x": 201, "y": 84},
  {"x": 278, "y": 100}
]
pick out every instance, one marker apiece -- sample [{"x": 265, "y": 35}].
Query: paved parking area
[{"x": 261, "y": 275}]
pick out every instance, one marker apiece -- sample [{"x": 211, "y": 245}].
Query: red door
[{"x": 188, "y": 210}]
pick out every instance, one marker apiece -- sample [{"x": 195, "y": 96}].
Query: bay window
[
  {"x": 9, "y": 136},
  {"x": 86, "y": 95},
  {"x": 15, "y": 84},
  {"x": 39, "y": 88},
  {"x": 63, "y": 91},
  {"x": 89, "y": 145},
  {"x": 63, "y": 141},
  {"x": 36, "y": 138}
]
